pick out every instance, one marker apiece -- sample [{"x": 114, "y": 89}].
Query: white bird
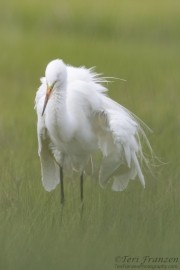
[{"x": 75, "y": 119}]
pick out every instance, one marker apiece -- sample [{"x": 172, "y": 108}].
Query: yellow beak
[{"x": 48, "y": 92}]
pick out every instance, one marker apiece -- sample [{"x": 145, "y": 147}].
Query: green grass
[{"x": 134, "y": 40}]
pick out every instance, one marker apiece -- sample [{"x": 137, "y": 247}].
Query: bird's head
[{"x": 56, "y": 75}]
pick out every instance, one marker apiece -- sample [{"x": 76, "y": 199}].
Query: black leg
[
  {"x": 81, "y": 186},
  {"x": 62, "y": 186}
]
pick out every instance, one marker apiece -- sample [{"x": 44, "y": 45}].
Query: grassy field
[{"x": 135, "y": 40}]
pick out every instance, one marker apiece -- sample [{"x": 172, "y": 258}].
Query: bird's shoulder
[
  {"x": 80, "y": 73},
  {"x": 86, "y": 75}
]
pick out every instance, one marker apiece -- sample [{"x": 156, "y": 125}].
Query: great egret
[{"x": 75, "y": 119}]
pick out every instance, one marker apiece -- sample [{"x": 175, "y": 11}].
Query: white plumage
[{"x": 78, "y": 120}]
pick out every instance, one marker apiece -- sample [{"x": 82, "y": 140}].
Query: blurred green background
[{"x": 135, "y": 40}]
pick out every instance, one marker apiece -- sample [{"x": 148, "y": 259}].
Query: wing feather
[
  {"x": 49, "y": 168},
  {"x": 124, "y": 131}
]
